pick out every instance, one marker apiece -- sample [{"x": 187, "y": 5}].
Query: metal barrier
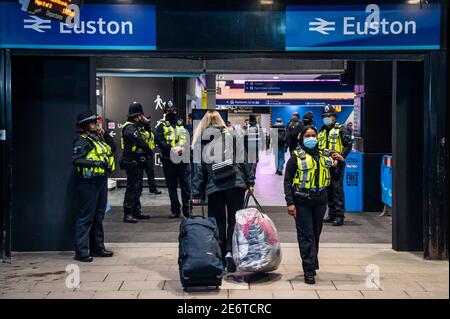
[{"x": 386, "y": 180}]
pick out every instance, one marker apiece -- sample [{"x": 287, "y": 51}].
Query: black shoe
[
  {"x": 174, "y": 215},
  {"x": 338, "y": 221},
  {"x": 155, "y": 191},
  {"x": 309, "y": 278},
  {"x": 229, "y": 264},
  {"x": 280, "y": 173},
  {"x": 129, "y": 219},
  {"x": 85, "y": 259},
  {"x": 102, "y": 253},
  {"x": 141, "y": 216},
  {"x": 328, "y": 219}
]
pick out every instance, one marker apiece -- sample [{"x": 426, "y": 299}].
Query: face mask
[
  {"x": 327, "y": 121},
  {"x": 310, "y": 142}
]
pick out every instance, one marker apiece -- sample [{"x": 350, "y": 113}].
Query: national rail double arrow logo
[
  {"x": 322, "y": 26},
  {"x": 37, "y": 24}
]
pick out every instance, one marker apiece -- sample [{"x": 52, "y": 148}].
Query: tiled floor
[{"x": 140, "y": 270}]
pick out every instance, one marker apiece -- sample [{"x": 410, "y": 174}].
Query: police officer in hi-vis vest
[
  {"x": 334, "y": 137},
  {"x": 171, "y": 136},
  {"x": 93, "y": 160},
  {"x": 136, "y": 151},
  {"x": 149, "y": 137},
  {"x": 306, "y": 179}
]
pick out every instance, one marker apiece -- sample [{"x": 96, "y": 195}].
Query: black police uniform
[
  {"x": 174, "y": 172},
  {"x": 150, "y": 167},
  {"x": 134, "y": 159},
  {"x": 93, "y": 194},
  {"x": 336, "y": 196},
  {"x": 306, "y": 178}
]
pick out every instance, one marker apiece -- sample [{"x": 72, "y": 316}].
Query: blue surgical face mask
[
  {"x": 327, "y": 121},
  {"x": 310, "y": 142}
]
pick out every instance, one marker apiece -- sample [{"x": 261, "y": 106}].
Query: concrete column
[{"x": 210, "y": 91}]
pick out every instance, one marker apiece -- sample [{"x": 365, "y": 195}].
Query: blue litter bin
[
  {"x": 353, "y": 182},
  {"x": 386, "y": 180}
]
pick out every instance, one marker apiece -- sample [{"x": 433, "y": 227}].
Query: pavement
[{"x": 150, "y": 271}]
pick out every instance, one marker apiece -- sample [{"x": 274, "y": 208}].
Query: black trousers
[
  {"x": 309, "y": 222},
  {"x": 174, "y": 174},
  {"x": 131, "y": 202},
  {"x": 336, "y": 198},
  {"x": 93, "y": 195},
  {"x": 150, "y": 171},
  {"x": 232, "y": 200}
]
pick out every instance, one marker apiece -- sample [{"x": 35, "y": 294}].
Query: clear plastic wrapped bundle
[{"x": 256, "y": 247}]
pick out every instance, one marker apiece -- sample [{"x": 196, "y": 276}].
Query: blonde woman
[{"x": 221, "y": 176}]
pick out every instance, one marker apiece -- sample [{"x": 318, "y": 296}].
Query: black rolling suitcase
[{"x": 200, "y": 257}]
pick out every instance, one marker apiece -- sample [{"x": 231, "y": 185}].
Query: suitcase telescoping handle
[
  {"x": 247, "y": 199},
  {"x": 191, "y": 206}
]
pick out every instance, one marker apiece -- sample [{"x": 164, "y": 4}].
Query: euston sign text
[
  {"x": 359, "y": 27},
  {"x": 100, "y": 27}
]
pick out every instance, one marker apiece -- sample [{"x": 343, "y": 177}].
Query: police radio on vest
[{"x": 99, "y": 26}]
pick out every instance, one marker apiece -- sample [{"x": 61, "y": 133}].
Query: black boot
[
  {"x": 174, "y": 215},
  {"x": 329, "y": 219},
  {"x": 155, "y": 191},
  {"x": 139, "y": 215},
  {"x": 102, "y": 253},
  {"x": 339, "y": 221},
  {"x": 309, "y": 278},
  {"x": 85, "y": 259},
  {"x": 129, "y": 219}
]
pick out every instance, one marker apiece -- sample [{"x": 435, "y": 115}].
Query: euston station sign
[
  {"x": 100, "y": 27},
  {"x": 363, "y": 27}
]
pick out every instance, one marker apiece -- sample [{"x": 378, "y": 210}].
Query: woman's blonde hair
[{"x": 211, "y": 117}]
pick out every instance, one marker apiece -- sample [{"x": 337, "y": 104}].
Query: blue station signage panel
[
  {"x": 285, "y": 102},
  {"x": 363, "y": 27},
  {"x": 101, "y": 27},
  {"x": 298, "y": 86}
]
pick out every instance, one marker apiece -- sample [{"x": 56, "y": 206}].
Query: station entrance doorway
[{"x": 388, "y": 90}]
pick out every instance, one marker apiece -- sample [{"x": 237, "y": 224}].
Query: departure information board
[{"x": 61, "y": 10}]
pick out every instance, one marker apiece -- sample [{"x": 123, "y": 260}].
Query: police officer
[
  {"x": 334, "y": 137},
  {"x": 93, "y": 160},
  {"x": 136, "y": 152},
  {"x": 306, "y": 179},
  {"x": 171, "y": 136},
  {"x": 149, "y": 137}
]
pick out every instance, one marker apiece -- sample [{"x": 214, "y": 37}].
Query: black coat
[{"x": 203, "y": 183}]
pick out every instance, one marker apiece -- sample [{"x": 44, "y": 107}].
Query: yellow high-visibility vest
[
  {"x": 333, "y": 142},
  {"x": 307, "y": 168},
  {"x": 174, "y": 136},
  {"x": 147, "y": 136},
  {"x": 100, "y": 153}
]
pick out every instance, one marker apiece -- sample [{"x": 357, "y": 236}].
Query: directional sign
[
  {"x": 101, "y": 27},
  {"x": 361, "y": 27}
]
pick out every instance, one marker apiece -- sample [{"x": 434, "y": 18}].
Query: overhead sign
[
  {"x": 245, "y": 109},
  {"x": 287, "y": 102},
  {"x": 66, "y": 11},
  {"x": 101, "y": 27},
  {"x": 361, "y": 27},
  {"x": 295, "y": 86}
]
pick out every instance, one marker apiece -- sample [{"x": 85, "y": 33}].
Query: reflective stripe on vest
[
  {"x": 147, "y": 136},
  {"x": 307, "y": 168},
  {"x": 334, "y": 141},
  {"x": 101, "y": 152},
  {"x": 174, "y": 136}
]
